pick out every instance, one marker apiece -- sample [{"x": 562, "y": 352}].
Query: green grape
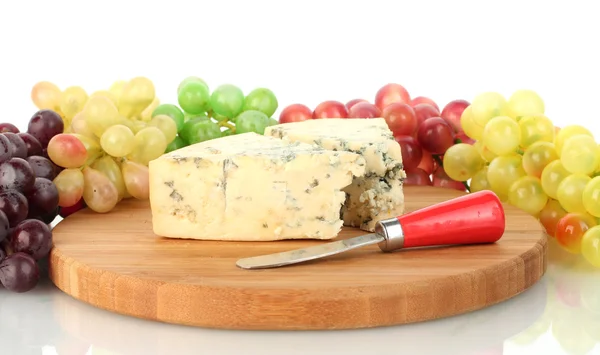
[
  {"x": 227, "y": 132},
  {"x": 166, "y": 125},
  {"x": 502, "y": 135},
  {"x": 199, "y": 129},
  {"x": 579, "y": 154},
  {"x": 175, "y": 144},
  {"x": 118, "y": 141},
  {"x": 503, "y": 172},
  {"x": 462, "y": 161},
  {"x": 172, "y": 111},
  {"x": 566, "y": 133},
  {"x": 99, "y": 193},
  {"x": 527, "y": 194},
  {"x": 107, "y": 166},
  {"x": 487, "y": 106},
  {"x": 227, "y": 100},
  {"x": 189, "y": 79},
  {"x": 274, "y": 122},
  {"x": 92, "y": 147},
  {"x": 72, "y": 101},
  {"x": 472, "y": 129},
  {"x": 591, "y": 197},
  {"x": 525, "y": 103},
  {"x": 552, "y": 175},
  {"x": 193, "y": 97},
  {"x": 479, "y": 181},
  {"x": 150, "y": 143},
  {"x": 535, "y": 129},
  {"x": 485, "y": 153},
  {"x": 219, "y": 118},
  {"x": 251, "y": 121},
  {"x": 570, "y": 192},
  {"x": 262, "y": 100},
  {"x": 100, "y": 113},
  {"x": 590, "y": 246},
  {"x": 537, "y": 157}
]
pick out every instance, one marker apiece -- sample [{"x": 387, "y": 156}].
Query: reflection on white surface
[{"x": 559, "y": 315}]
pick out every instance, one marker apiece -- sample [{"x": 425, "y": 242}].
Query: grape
[
  {"x": 502, "y": 135},
  {"x": 389, "y": 94},
  {"x": 579, "y": 154},
  {"x": 69, "y": 184},
  {"x": 136, "y": 177},
  {"x": 570, "y": 192},
  {"x": 227, "y": 100},
  {"x": 591, "y": 197},
  {"x": 146, "y": 115},
  {"x": 4, "y": 227},
  {"x": 401, "y": 119},
  {"x": 527, "y": 194},
  {"x": 107, "y": 166},
  {"x": 32, "y": 237},
  {"x": 172, "y": 111},
  {"x": 177, "y": 143},
  {"x": 16, "y": 174},
  {"x": 99, "y": 193},
  {"x": 150, "y": 143},
  {"x": 441, "y": 179},
  {"x": 166, "y": 125},
  {"x": 330, "y": 109},
  {"x": 295, "y": 113},
  {"x": 535, "y": 129},
  {"x": 487, "y": 106},
  {"x": 425, "y": 111},
  {"x": 426, "y": 163},
  {"x": 462, "y": 161},
  {"x": 44, "y": 125},
  {"x": 552, "y": 175},
  {"x": 484, "y": 152},
  {"x": 137, "y": 94},
  {"x": 461, "y": 137},
  {"x": 104, "y": 93},
  {"x": 67, "y": 151},
  {"x": 503, "y": 172},
  {"x": 50, "y": 216},
  {"x": 72, "y": 101},
  {"x": 46, "y": 95},
  {"x": 417, "y": 177},
  {"x": 479, "y": 181},
  {"x": 567, "y": 132},
  {"x": 79, "y": 125},
  {"x": 64, "y": 212},
  {"x": 471, "y": 129},
  {"x": 262, "y": 100},
  {"x": 8, "y": 127},
  {"x": 435, "y": 135},
  {"x": 116, "y": 89},
  {"x": 550, "y": 215},
  {"x": 100, "y": 113},
  {"x": 525, "y": 103},
  {"x": 6, "y": 148},
  {"x": 423, "y": 100},
  {"x": 364, "y": 110},
  {"x": 14, "y": 205},
  {"x": 411, "y": 151},
  {"x": 199, "y": 129},
  {"x": 19, "y": 148},
  {"x": 537, "y": 157},
  {"x": 590, "y": 246},
  {"x": 570, "y": 230},
  {"x": 193, "y": 97},
  {"x": 91, "y": 145},
  {"x": 353, "y": 102},
  {"x": 34, "y": 147},
  {"x": 452, "y": 113},
  {"x": 43, "y": 198},
  {"x": 189, "y": 79},
  {"x": 251, "y": 121},
  {"x": 19, "y": 272},
  {"x": 118, "y": 140}
]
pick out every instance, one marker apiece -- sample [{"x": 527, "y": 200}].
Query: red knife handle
[{"x": 474, "y": 218}]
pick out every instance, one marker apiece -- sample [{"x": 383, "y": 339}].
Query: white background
[{"x": 309, "y": 51}]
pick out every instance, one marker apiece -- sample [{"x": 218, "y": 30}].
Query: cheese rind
[
  {"x": 249, "y": 187},
  {"x": 377, "y": 194}
]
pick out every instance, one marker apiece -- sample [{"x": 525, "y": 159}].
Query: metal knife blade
[{"x": 311, "y": 253}]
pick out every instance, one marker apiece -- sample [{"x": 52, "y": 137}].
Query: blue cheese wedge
[
  {"x": 376, "y": 195},
  {"x": 249, "y": 187}
]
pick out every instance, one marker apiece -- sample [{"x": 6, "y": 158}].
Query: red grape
[
  {"x": 14, "y": 205},
  {"x": 570, "y": 230},
  {"x": 32, "y": 237},
  {"x": 67, "y": 151},
  {"x": 34, "y": 147},
  {"x": 295, "y": 113},
  {"x": 426, "y": 163},
  {"x": 6, "y": 148},
  {"x": 43, "y": 198},
  {"x": 19, "y": 148},
  {"x": 441, "y": 179},
  {"x": 424, "y": 100},
  {"x": 4, "y": 226},
  {"x": 44, "y": 125},
  {"x": 435, "y": 135},
  {"x": 19, "y": 272},
  {"x": 353, "y": 102},
  {"x": 391, "y": 93},
  {"x": 550, "y": 215},
  {"x": 330, "y": 109},
  {"x": 411, "y": 152},
  {"x": 67, "y": 211},
  {"x": 417, "y": 177},
  {"x": 364, "y": 110},
  {"x": 2, "y": 254},
  {"x": 464, "y": 138},
  {"x": 8, "y": 127},
  {"x": 425, "y": 111},
  {"x": 401, "y": 119},
  {"x": 42, "y": 167},
  {"x": 452, "y": 113}
]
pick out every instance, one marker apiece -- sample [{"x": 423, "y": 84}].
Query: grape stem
[
  {"x": 228, "y": 125},
  {"x": 439, "y": 162}
]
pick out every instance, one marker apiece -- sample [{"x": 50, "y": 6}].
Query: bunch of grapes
[
  {"x": 201, "y": 115},
  {"x": 28, "y": 199}
]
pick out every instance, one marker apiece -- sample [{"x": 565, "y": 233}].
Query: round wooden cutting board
[{"x": 115, "y": 262}]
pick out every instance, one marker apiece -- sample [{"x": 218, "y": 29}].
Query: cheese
[
  {"x": 249, "y": 187},
  {"x": 378, "y": 193}
]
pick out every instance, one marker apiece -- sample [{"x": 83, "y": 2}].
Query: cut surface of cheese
[
  {"x": 378, "y": 193},
  {"x": 250, "y": 187}
]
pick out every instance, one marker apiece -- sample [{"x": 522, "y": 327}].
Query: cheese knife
[{"x": 475, "y": 218}]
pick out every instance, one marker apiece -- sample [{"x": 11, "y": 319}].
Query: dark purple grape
[
  {"x": 6, "y": 148},
  {"x": 32, "y": 237},
  {"x": 8, "y": 127},
  {"x": 14, "y": 205},
  {"x": 4, "y": 225},
  {"x": 50, "y": 216},
  {"x": 19, "y": 272},
  {"x": 17, "y": 174},
  {"x": 34, "y": 147},
  {"x": 43, "y": 198},
  {"x": 19, "y": 148},
  {"x": 44, "y": 125},
  {"x": 42, "y": 167},
  {"x": 2, "y": 254}
]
